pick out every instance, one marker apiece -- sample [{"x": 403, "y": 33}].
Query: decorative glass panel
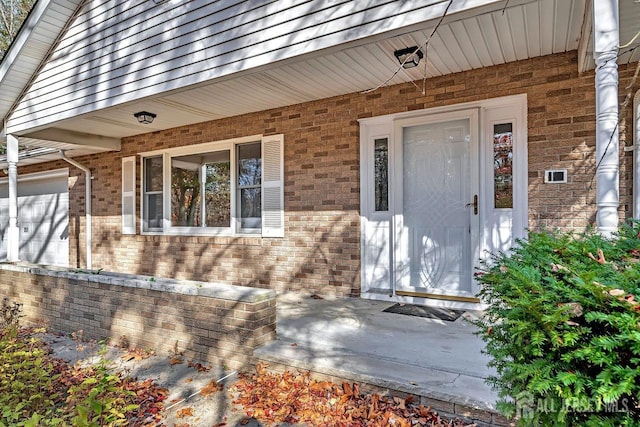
[
  {"x": 381, "y": 164},
  {"x": 503, "y": 165}
]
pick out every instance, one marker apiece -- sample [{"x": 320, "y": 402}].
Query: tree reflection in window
[
  {"x": 503, "y": 166},
  {"x": 381, "y": 165},
  {"x": 249, "y": 185},
  {"x": 195, "y": 174}
]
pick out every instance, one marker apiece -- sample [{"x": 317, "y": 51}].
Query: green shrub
[
  {"x": 37, "y": 390},
  {"x": 27, "y": 381},
  {"x": 563, "y": 329}
]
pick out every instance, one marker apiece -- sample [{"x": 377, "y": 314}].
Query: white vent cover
[{"x": 555, "y": 176}]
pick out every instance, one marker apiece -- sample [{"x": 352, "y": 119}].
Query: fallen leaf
[
  {"x": 295, "y": 344},
  {"x": 175, "y": 361},
  {"x": 184, "y": 412},
  {"x": 616, "y": 292},
  {"x": 188, "y": 380},
  {"x": 600, "y": 259},
  {"x": 136, "y": 354},
  {"x": 199, "y": 366},
  {"x": 574, "y": 307},
  {"x": 314, "y": 296},
  {"x": 210, "y": 388}
]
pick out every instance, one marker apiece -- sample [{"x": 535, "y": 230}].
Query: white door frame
[{"x": 512, "y": 109}]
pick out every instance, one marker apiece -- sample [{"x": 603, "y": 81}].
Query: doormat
[{"x": 421, "y": 311}]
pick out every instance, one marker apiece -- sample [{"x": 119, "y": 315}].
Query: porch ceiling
[
  {"x": 629, "y": 27},
  {"x": 491, "y": 36}
]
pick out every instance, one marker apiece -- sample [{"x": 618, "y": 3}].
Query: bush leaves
[{"x": 562, "y": 328}]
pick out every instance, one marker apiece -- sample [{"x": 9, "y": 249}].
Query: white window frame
[{"x": 167, "y": 154}]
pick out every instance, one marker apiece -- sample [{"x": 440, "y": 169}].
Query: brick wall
[
  {"x": 320, "y": 252},
  {"x": 219, "y": 324}
]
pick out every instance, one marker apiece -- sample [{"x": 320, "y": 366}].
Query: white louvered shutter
[
  {"x": 273, "y": 186},
  {"x": 129, "y": 195}
]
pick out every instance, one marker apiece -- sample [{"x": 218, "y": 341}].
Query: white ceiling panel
[
  {"x": 517, "y": 26},
  {"x": 532, "y": 25}
]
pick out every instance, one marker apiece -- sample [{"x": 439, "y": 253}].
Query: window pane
[
  {"x": 153, "y": 174},
  {"x": 381, "y": 164},
  {"x": 153, "y": 210},
  {"x": 185, "y": 191},
  {"x": 503, "y": 165},
  {"x": 251, "y": 207},
  {"x": 194, "y": 174},
  {"x": 249, "y": 165},
  {"x": 218, "y": 193}
]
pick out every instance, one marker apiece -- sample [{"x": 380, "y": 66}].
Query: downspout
[
  {"x": 606, "y": 40},
  {"x": 87, "y": 202},
  {"x": 636, "y": 155}
]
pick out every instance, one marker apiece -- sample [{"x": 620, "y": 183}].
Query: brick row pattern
[
  {"x": 320, "y": 252},
  {"x": 219, "y": 331}
]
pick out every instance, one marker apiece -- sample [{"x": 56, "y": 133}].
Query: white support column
[
  {"x": 605, "y": 43},
  {"x": 13, "y": 238}
]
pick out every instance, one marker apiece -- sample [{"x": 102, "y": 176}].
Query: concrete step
[{"x": 449, "y": 393}]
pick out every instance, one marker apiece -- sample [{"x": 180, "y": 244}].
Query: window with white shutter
[
  {"x": 129, "y": 195},
  {"x": 230, "y": 187}
]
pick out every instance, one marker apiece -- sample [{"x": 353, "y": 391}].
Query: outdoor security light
[
  {"x": 145, "y": 117},
  {"x": 413, "y": 54}
]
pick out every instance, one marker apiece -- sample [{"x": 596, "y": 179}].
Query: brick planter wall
[{"x": 217, "y": 323}]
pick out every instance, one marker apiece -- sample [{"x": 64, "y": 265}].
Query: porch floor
[{"x": 354, "y": 339}]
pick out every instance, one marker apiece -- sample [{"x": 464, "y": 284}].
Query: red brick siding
[{"x": 320, "y": 252}]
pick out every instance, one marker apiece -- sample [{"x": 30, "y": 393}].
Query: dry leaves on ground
[
  {"x": 184, "y": 412},
  {"x": 297, "y": 398},
  {"x": 199, "y": 366},
  {"x": 211, "y": 388},
  {"x": 147, "y": 396},
  {"x": 175, "y": 361},
  {"x": 136, "y": 354}
]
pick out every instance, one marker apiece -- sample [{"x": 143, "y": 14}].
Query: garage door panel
[{"x": 43, "y": 220}]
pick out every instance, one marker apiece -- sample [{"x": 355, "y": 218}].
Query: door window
[{"x": 503, "y": 166}]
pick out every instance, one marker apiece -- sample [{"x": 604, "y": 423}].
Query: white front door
[
  {"x": 436, "y": 205},
  {"x": 441, "y": 190}
]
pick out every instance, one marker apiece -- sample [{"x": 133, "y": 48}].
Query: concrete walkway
[{"x": 354, "y": 339}]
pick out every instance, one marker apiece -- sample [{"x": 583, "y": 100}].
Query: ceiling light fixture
[
  {"x": 144, "y": 117},
  {"x": 409, "y": 57}
]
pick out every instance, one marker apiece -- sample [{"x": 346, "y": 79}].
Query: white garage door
[{"x": 43, "y": 218}]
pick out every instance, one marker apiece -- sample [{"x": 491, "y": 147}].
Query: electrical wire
[{"x": 425, "y": 44}]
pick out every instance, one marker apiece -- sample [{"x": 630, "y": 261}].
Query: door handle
[{"x": 474, "y": 204}]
